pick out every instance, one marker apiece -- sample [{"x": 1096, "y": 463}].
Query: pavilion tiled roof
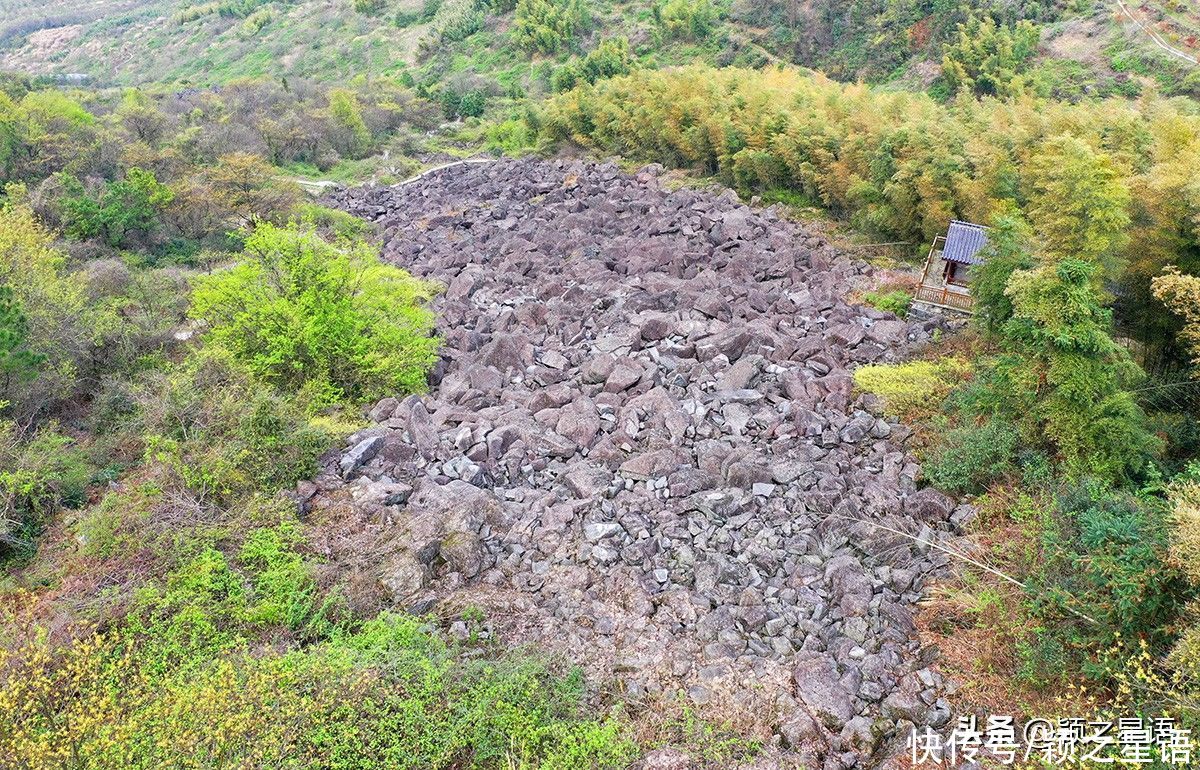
[{"x": 963, "y": 243}]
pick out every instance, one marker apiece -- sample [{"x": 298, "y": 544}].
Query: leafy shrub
[
  {"x": 305, "y": 315},
  {"x": 462, "y": 104},
  {"x": 454, "y": 20},
  {"x": 336, "y": 224},
  {"x": 1185, "y": 520},
  {"x": 239, "y": 9},
  {"x": 969, "y": 458},
  {"x": 216, "y": 437},
  {"x": 1111, "y": 554},
  {"x": 38, "y": 473},
  {"x": 424, "y": 15},
  {"x": 913, "y": 388},
  {"x": 511, "y": 137},
  {"x": 1042, "y": 658},
  {"x": 392, "y": 694},
  {"x": 254, "y": 23},
  {"x": 123, "y": 209},
  {"x": 896, "y": 302},
  {"x": 17, "y": 361},
  {"x": 370, "y": 7},
  {"x": 193, "y": 12}
]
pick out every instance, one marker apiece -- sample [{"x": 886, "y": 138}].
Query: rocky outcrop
[{"x": 642, "y": 448}]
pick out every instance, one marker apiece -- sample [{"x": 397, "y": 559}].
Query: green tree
[
  {"x": 987, "y": 59},
  {"x": 1181, "y": 294},
  {"x": 548, "y": 26},
  {"x": 1009, "y": 249},
  {"x": 1078, "y": 204},
  {"x": 141, "y": 117},
  {"x": 58, "y": 134},
  {"x": 352, "y": 139},
  {"x": 17, "y": 361},
  {"x": 59, "y": 322},
  {"x": 1083, "y": 404},
  {"x": 127, "y": 207},
  {"x": 304, "y": 315}
]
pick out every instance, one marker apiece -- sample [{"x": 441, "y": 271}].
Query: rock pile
[{"x": 643, "y": 448}]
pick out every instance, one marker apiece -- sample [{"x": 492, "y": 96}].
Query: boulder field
[{"x": 643, "y": 450}]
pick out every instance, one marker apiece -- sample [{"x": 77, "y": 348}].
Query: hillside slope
[{"x": 204, "y": 43}]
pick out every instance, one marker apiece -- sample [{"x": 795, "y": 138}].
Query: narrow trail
[
  {"x": 321, "y": 186},
  {"x": 1154, "y": 36}
]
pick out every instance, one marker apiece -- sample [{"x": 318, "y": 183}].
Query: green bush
[
  {"x": 17, "y": 361},
  {"x": 609, "y": 59},
  {"x": 914, "y": 388},
  {"x": 1108, "y": 558},
  {"x": 426, "y": 13},
  {"x": 218, "y": 437},
  {"x": 896, "y": 302},
  {"x": 194, "y": 693},
  {"x": 38, "y": 473},
  {"x": 239, "y": 9},
  {"x": 469, "y": 103},
  {"x": 306, "y": 316},
  {"x": 687, "y": 19},
  {"x": 969, "y": 458},
  {"x": 370, "y": 7},
  {"x": 122, "y": 210},
  {"x": 454, "y": 20}
]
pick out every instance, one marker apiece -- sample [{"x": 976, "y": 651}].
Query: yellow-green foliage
[
  {"x": 987, "y": 58},
  {"x": 1185, "y": 541},
  {"x": 899, "y": 162},
  {"x": 254, "y": 23},
  {"x": 687, "y": 19},
  {"x": 915, "y": 388},
  {"x": 392, "y": 695},
  {"x": 335, "y": 322},
  {"x": 53, "y": 302},
  {"x": 1181, "y": 294},
  {"x": 193, "y": 12}
]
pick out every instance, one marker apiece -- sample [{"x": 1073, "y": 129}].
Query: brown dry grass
[{"x": 977, "y": 621}]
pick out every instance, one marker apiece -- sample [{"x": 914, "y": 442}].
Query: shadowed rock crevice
[{"x": 642, "y": 449}]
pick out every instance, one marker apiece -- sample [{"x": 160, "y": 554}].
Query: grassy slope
[
  {"x": 323, "y": 40},
  {"x": 120, "y": 41}
]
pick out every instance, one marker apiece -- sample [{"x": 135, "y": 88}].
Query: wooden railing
[{"x": 945, "y": 296}]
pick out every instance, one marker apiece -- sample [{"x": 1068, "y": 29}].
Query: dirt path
[{"x": 1154, "y": 36}]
